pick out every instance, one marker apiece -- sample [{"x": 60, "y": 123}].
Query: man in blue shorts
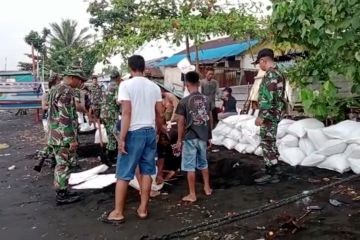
[
  {"x": 142, "y": 112},
  {"x": 194, "y": 132}
]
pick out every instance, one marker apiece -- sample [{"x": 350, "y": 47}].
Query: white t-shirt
[{"x": 143, "y": 95}]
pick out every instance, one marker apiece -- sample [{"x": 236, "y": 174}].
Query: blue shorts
[
  {"x": 141, "y": 148},
  {"x": 194, "y": 155}
]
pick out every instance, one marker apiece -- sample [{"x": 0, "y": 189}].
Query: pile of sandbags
[
  {"x": 305, "y": 142},
  {"x": 238, "y": 132}
]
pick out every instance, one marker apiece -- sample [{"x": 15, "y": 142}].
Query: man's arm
[
  {"x": 174, "y": 102},
  {"x": 125, "y": 119},
  {"x": 67, "y": 119},
  {"x": 159, "y": 116},
  {"x": 181, "y": 128}
]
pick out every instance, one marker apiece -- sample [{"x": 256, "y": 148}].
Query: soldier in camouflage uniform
[
  {"x": 109, "y": 114},
  {"x": 63, "y": 129},
  {"x": 95, "y": 97},
  {"x": 272, "y": 104}
]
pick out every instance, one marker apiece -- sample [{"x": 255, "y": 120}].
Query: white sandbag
[
  {"x": 229, "y": 143},
  {"x": 282, "y": 128},
  {"x": 250, "y": 149},
  {"x": 97, "y": 182},
  {"x": 217, "y": 140},
  {"x": 259, "y": 151},
  {"x": 313, "y": 160},
  {"x": 299, "y": 127},
  {"x": 235, "y": 134},
  {"x": 291, "y": 155},
  {"x": 154, "y": 187},
  {"x": 250, "y": 127},
  {"x": 290, "y": 141},
  {"x": 344, "y": 130},
  {"x": 317, "y": 137},
  {"x": 353, "y": 141},
  {"x": 219, "y": 129},
  {"x": 103, "y": 134},
  {"x": 354, "y": 164},
  {"x": 76, "y": 178},
  {"x": 244, "y": 140},
  {"x": 306, "y": 146},
  {"x": 236, "y": 119},
  {"x": 337, "y": 162},
  {"x": 240, "y": 147},
  {"x": 254, "y": 140},
  {"x": 352, "y": 150},
  {"x": 332, "y": 147}
]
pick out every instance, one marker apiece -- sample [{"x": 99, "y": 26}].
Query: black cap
[
  {"x": 228, "y": 89},
  {"x": 265, "y": 52}
]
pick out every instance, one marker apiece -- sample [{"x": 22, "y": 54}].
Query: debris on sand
[
  {"x": 11, "y": 168},
  {"x": 4, "y": 146},
  {"x": 335, "y": 203}
]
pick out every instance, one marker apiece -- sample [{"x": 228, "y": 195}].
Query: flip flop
[
  {"x": 104, "y": 218},
  {"x": 141, "y": 216}
]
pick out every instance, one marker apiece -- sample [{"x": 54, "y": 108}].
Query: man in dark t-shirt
[
  {"x": 229, "y": 104},
  {"x": 194, "y": 132}
]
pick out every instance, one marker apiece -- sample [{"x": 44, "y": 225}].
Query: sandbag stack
[{"x": 305, "y": 142}]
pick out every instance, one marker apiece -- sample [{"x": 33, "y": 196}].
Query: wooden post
[{"x": 197, "y": 61}]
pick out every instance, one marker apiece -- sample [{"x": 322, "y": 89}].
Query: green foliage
[
  {"x": 330, "y": 31},
  {"x": 127, "y": 25}
]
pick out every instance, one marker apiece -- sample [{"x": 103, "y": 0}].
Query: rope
[{"x": 248, "y": 213}]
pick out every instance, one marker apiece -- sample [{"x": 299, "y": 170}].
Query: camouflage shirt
[
  {"x": 271, "y": 95},
  {"x": 95, "y": 95},
  {"x": 110, "y": 110},
  {"x": 62, "y": 120}
]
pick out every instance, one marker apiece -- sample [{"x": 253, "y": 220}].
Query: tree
[
  {"x": 127, "y": 25},
  {"x": 65, "y": 35},
  {"x": 330, "y": 31}
]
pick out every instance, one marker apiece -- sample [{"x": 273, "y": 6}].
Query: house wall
[{"x": 172, "y": 78}]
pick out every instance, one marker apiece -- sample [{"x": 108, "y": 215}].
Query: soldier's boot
[
  {"x": 64, "y": 197},
  {"x": 270, "y": 175}
]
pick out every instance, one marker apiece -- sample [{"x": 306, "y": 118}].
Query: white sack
[
  {"x": 293, "y": 156},
  {"x": 337, "y": 162},
  {"x": 306, "y": 146},
  {"x": 217, "y": 140},
  {"x": 235, "y": 134},
  {"x": 354, "y": 164},
  {"x": 229, "y": 143},
  {"x": 299, "y": 127},
  {"x": 317, "y": 137},
  {"x": 259, "y": 151},
  {"x": 219, "y": 129},
  {"x": 290, "y": 141},
  {"x": 332, "y": 147},
  {"x": 282, "y": 127},
  {"x": 352, "y": 150},
  {"x": 233, "y": 120},
  {"x": 313, "y": 160},
  {"x": 103, "y": 134},
  {"x": 353, "y": 140},
  {"x": 344, "y": 130},
  {"x": 240, "y": 147},
  {"x": 154, "y": 187},
  {"x": 97, "y": 182},
  {"x": 250, "y": 149},
  {"x": 76, "y": 178}
]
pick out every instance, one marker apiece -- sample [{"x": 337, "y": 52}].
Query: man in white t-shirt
[{"x": 142, "y": 113}]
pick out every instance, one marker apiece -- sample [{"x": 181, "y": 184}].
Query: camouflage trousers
[
  {"x": 268, "y": 142},
  {"x": 46, "y": 152},
  {"x": 65, "y": 163},
  {"x": 109, "y": 128}
]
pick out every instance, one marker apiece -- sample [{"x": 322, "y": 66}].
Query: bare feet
[
  {"x": 159, "y": 180},
  {"x": 208, "y": 191},
  {"x": 189, "y": 198},
  {"x": 142, "y": 214},
  {"x": 115, "y": 216},
  {"x": 152, "y": 193},
  {"x": 170, "y": 175}
]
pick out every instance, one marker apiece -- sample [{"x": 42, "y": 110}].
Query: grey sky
[{"x": 19, "y": 17}]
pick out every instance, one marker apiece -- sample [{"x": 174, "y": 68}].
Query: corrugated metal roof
[
  {"x": 14, "y": 73},
  {"x": 212, "y": 53}
]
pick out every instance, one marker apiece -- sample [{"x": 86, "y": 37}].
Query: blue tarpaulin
[{"x": 212, "y": 53}]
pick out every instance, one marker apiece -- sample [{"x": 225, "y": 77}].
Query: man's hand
[
  {"x": 178, "y": 146},
  {"x": 121, "y": 147},
  {"x": 74, "y": 146},
  {"x": 209, "y": 144},
  {"x": 259, "y": 121}
]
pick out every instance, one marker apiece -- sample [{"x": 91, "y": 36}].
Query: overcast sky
[{"x": 19, "y": 17}]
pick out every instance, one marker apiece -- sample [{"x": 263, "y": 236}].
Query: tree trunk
[
  {"x": 187, "y": 48},
  {"x": 197, "y": 61},
  {"x": 33, "y": 60}
]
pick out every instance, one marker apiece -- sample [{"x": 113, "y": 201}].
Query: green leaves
[
  {"x": 319, "y": 23},
  {"x": 357, "y": 56}
]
